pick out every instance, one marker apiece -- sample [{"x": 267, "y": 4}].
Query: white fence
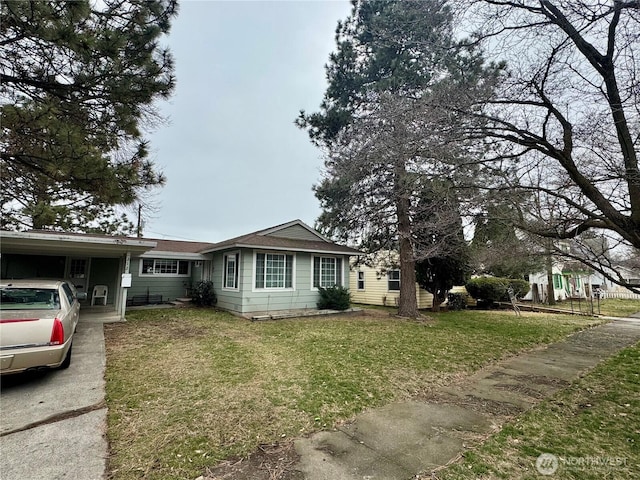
[{"x": 623, "y": 295}]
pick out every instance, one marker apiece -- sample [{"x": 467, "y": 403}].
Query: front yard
[
  {"x": 188, "y": 388},
  {"x": 592, "y": 429}
]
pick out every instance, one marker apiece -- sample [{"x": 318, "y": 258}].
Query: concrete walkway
[
  {"x": 53, "y": 424},
  {"x": 401, "y": 440}
]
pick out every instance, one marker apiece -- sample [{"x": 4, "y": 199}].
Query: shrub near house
[
  {"x": 334, "y": 298},
  {"x": 493, "y": 289}
]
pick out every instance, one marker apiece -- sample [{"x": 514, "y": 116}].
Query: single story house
[
  {"x": 279, "y": 268},
  {"x": 378, "y": 283}
]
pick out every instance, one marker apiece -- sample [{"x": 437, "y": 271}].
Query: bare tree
[{"x": 564, "y": 125}]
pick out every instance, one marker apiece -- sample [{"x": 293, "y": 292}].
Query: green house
[{"x": 279, "y": 268}]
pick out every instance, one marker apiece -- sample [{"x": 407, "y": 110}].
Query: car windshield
[{"x": 29, "y": 299}]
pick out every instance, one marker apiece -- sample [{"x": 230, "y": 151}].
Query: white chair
[{"x": 100, "y": 291}]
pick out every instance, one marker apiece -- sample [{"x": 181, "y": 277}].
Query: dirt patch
[
  {"x": 267, "y": 462},
  {"x": 543, "y": 380},
  {"x": 522, "y": 389},
  {"x": 498, "y": 412}
]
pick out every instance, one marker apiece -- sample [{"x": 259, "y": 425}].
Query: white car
[{"x": 37, "y": 321}]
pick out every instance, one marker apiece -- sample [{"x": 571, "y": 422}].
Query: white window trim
[
  {"x": 237, "y": 273},
  {"x": 364, "y": 281},
  {"x": 273, "y": 289},
  {"x": 399, "y": 280},
  {"x": 164, "y": 275},
  {"x": 313, "y": 262}
]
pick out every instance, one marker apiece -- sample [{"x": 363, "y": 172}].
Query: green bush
[
  {"x": 457, "y": 301},
  {"x": 494, "y": 289},
  {"x": 203, "y": 294},
  {"x": 520, "y": 287},
  {"x": 334, "y": 298}
]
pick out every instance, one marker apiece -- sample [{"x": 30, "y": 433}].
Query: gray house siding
[
  {"x": 170, "y": 287},
  {"x": 105, "y": 271},
  {"x": 247, "y": 299},
  {"x": 228, "y": 299},
  {"x": 296, "y": 232}
]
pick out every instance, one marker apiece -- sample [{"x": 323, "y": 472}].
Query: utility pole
[{"x": 139, "y": 227}]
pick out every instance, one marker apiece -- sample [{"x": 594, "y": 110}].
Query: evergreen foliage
[
  {"x": 457, "y": 301},
  {"x": 381, "y": 125},
  {"x": 439, "y": 237},
  {"x": 334, "y": 298},
  {"x": 203, "y": 294},
  {"x": 494, "y": 289},
  {"x": 78, "y": 82}
]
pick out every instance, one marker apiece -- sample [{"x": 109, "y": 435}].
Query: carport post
[{"x": 127, "y": 265}]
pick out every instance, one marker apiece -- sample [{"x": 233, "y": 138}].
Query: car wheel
[{"x": 67, "y": 360}]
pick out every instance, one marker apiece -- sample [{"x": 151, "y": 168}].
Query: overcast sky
[{"x": 234, "y": 160}]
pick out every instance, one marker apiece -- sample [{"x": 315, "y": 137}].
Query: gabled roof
[
  {"x": 290, "y": 236},
  {"x": 277, "y": 238}
]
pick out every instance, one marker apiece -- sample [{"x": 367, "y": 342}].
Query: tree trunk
[
  {"x": 551, "y": 295},
  {"x": 438, "y": 300},
  {"x": 408, "y": 306}
]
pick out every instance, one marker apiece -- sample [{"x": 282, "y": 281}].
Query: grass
[
  {"x": 187, "y": 388},
  {"x": 593, "y": 430},
  {"x": 615, "y": 307},
  {"x": 610, "y": 307}
]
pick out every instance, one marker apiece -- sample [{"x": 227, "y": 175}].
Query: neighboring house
[
  {"x": 380, "y": 284},
  {"x": 279, "y": 268},
  {"x": 570, "y": 280},
  {"x": 567, "y": 283}
]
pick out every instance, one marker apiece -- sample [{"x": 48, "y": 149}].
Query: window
[
  {"x": 165, "y": 267},
  {"x": 327, "y": 272},
  {"x": 78, "y": 268},
  {"x": 231, "y": 271},
  {"x": 360, "y": 280},
  {"x": 393, "y": 279},
  {"x": 68, "y": 293},
  {"x": 274, "y": 270},
  {"x": 557, "y": 281},
  {"x": 29, "y": 299}
]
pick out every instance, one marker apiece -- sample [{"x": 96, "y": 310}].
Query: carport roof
[{"x": 38, "y": 242}]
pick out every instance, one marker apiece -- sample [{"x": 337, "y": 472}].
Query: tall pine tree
[
  {"x": 380, "y": 126},
  {"x": 78, "y": 82}
]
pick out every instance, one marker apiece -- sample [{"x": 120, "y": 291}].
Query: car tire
[{"x": 67, "y": 360}]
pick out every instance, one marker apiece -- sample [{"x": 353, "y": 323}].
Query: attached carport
[{"x": 87, "y": 260}]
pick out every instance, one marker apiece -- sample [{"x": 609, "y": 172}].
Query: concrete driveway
[{"x": 53, "y": 424}]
